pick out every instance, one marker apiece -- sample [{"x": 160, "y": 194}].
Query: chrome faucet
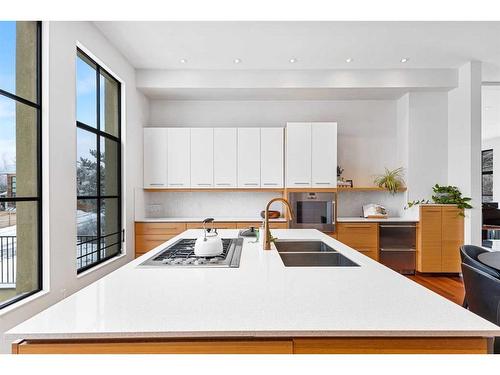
[{"x": 267, "y": 233}]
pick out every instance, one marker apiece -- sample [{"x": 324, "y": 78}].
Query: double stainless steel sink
[{"x": 310, "y": 253}]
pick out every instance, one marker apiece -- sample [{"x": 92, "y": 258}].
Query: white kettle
[{"x": 210, "y": 244}]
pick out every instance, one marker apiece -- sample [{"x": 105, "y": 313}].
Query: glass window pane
[
  {"x": 109, "y": 167},
  {"x": 487, "y": 160},
  {"x": 109, "y": 104},
  {"x": 110, "y": 226},
  {"x": 86, "y": 164},
  {"x": 487, "y": 184},
  {"x": 86, "y": 91},
  {"x": 18, "y": 249},
  {"x": 18, "y": 50},
  {"x": 18, "y": 149},
  {"x": 87, "y": 241}
]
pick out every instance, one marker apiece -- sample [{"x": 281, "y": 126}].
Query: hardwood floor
[{"x": 450, "y": 287}]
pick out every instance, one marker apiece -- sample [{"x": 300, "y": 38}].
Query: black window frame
[
  {"x": 38, "y": 199},
  {"x": 99, "y": 133},
  {"x": 483, "y": 172}
]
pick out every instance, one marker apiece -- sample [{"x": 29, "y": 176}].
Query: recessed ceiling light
[
  {"x": 293, "y": 60},
  {"x": 237, "y": 61},
  {"x": 404, "y": 59},
  {"x": 348, "y": 60},
  {"x": 183, "y": 61}
]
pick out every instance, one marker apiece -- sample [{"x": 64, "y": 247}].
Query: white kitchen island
[{"x": 260, "y": 307}]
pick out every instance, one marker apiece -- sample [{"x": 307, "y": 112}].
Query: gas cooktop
[{"x": 181, "y": 254}]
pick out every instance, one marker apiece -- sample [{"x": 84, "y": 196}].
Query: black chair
[
  {"x": 483, "y": 296},
  {"x": 469, "y": 254}
]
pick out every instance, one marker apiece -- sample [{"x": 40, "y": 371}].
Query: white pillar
[{"x": 464, "y": 144}]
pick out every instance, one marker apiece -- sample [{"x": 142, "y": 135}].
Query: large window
[
  {"x": 98, "y": 166},
  {"x": 20, "y": 160},
  {"x": 487, "y": 175}
]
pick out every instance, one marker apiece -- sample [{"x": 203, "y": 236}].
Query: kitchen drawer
[
  {"x": 144, "y": 243},
  {"x": 369, "y": 252},
  {"x": 218, "y": 225},
  {"x": 160, "y": 228},
  {"x": 257, "y": 224},
  {"x": 358, "y": 235}
]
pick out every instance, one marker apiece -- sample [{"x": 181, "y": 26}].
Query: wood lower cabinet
[
  {"x": 440, "y": 233},
  {"x": 362, "y": 237},
  {"x": 149, "y": 235},
  {"x": 288, "y": 345}
]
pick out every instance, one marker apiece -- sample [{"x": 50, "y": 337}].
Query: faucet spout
[{"x": 267, "y": 233}]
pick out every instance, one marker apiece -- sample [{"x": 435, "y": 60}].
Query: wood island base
[{"x": 296, "y": 345}]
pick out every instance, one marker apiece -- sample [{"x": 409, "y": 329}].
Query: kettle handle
[{"x": 208, "y": 230}]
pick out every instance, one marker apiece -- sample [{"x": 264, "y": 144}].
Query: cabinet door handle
[
  {"x": 223, "y": 184},
  {"x": 322, "y": 183},
  {"x": 154, "y": 184},
  {"x": 301, "y": 183},
  {"x": 176, "y": 184},
  {"x": 204, "y": 184},
  {"x": 251, "y": 184},
  {"x": 270, "y": 184}
]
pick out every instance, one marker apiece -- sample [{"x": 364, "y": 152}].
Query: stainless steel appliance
[
  {"x": 181, "y": 254},
  {"x": 313, "y": 210},
  {"x": 397, "y": 246}
]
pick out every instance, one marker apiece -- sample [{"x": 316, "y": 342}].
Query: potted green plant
[
  {"x": 392, "y": 180},
  {"x": 446, "y": 194}
]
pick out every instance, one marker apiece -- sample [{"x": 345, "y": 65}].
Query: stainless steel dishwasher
[{"x": 397, "y": 246}]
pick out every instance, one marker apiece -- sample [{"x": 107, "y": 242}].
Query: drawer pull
[
  {"x": 322, "y": 183},
  {"x": 270, "y": 184},
  {"x": 155, "y": 184},
  {"x": 176, "y": 184},
  {"x": 396, "y": 226},
  {"x": 223, "y": 184},
  {"x": 251, "y": 184},
  {"x": 204, "y": 184},
  {"x": 301, "y": 183}
]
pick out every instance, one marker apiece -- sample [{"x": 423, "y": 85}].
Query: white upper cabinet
[
  {"x": 178, "y": 150},
  {"x": 271, "y": 157},
  {"x": 324, "y": 154},
  {"x": 298, "y": 154},
  {"x": 311, "y": 154},
  {"x": 225, "y": 157},
  {"x": 155, "y": 158},
  {"x": 202, "y": 157},
  {"x": 249, "y": 157}
]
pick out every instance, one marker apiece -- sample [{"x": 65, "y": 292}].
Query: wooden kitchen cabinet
[
  {"x": 155, "y": 158},
  {"x": 440, "y": 233},
  {"x": 249, "y": 158},
  {"x": 217, "y": 224},
  {"x": 271, "y": 158},
  {"x": 362, "y": 237},
  {"x": 178, "y": 160},
  {"x": 225, "y": 157},
  {"x": 150, "y": 235},
  {"x": 324, "y": 154},
  {"x": 257, "y": 224},
  {"x": 202, "y": 158}
]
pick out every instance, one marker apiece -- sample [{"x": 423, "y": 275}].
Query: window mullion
[{"x": 98, "y": 192}]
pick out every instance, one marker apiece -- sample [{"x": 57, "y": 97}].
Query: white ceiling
[
  {"x": 490, "y": 118},
  {"x": 315, "y": 45}
]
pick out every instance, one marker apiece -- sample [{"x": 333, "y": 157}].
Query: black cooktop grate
[{"x": 184, "y": 249}]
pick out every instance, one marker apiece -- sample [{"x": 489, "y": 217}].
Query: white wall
[
  {"x": 464, "y": 140},
  {"x": 427, "y": 143},
  {"x": 59, "y": 148},
  {"x": 494, "y": 144},
  {"x": 367, "y": 131}
]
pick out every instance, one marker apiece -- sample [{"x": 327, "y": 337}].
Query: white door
[
  {"x": 298, "y": 154},
  {"x": 249, "y": 157},
  {"x": 202, "y": 157},
  {"x": 155, "y": 157},
  {"x": 225, "y": 157},
  {"x": 178, "y": 158},
  {"x": 324, "y": 154},
  {"x": 271, "y": 157}
]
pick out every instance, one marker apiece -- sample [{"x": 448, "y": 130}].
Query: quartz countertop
[
  {"x": 261, "y": 298},
  {"x": 355, "y": 219}
]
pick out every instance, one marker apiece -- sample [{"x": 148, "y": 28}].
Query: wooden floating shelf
[{"x": 367, "y": 188}]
